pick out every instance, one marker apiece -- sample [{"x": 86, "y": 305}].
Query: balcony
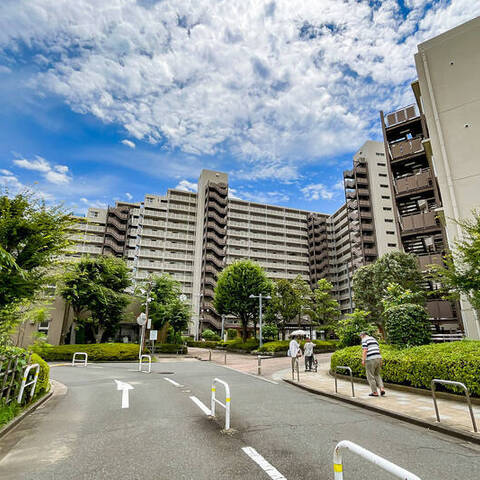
[
  {"x": 433, "y": 259},
  {"x": 362, "y": 181},
  {"x": 349, "y": 183},
  {"x": 406, "y": 148},
  {"x": 399, "y": 116},
  {"x": 418, "y": 221},
  {"x": 363, "y": 192},
  {"x": 419, "y": 181},
  {"x": 348, "y": 174},
  {"x": 366, "y": 215},
  {"x": 361, "y": 170},
  {"x": 370, "y": 252},
  {"x": 440, "y": 310},
  {"x": 351, "y": 195}
]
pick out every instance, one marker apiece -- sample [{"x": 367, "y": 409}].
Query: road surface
[{"x": 84, "y": 433}]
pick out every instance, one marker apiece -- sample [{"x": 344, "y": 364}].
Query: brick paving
[{"x": 452, "y": 412}]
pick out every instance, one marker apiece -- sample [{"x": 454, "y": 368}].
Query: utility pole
[{"x": 261, "y": 297}]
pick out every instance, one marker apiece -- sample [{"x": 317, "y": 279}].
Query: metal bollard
[
  {"x": 225, "y": 359},
  {"x": 209, "y": 355},
  {"x": 33, "y": 382},
  {"x": 140, "y": 363},
  {"x": 348, "y": 369},
  {"x": 85, "y": 360},
  {"x": 225, "y": 405}
]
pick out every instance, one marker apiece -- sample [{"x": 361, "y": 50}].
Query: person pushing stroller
[{"x": 310, "y": 363}]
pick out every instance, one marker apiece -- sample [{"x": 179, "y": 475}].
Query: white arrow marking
[{"x": 125, "y": 387}]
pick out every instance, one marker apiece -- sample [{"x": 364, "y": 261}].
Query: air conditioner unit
[{"x": 422, "y": 204}]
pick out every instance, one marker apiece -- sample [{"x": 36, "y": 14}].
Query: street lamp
[{"x": 261, "y": 297}]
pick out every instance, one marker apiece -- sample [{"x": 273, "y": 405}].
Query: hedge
[
  {"x": 417, "y": 366},
  {"x": 43, "y": 381},
  {"x": 206, "y": 344},
  {"x": 321, "y": 346},
  {"x": 238, "y": 345}
]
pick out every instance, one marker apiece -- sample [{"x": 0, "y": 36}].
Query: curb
[
  {"x": 451, "y": 431},
  {"x": 15, "y": 421}
]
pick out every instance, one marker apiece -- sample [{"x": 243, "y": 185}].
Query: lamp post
[
  {"x": 197, "y": 323},
  {"x": 145, "y": 325},
  {"x": 261, "y": 297}
]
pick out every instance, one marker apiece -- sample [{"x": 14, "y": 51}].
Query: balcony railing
[
  {"x": 418, "y": 181},
  {"x": 433, "y": 259},
  {"x": 406, "y": 147},
  {"x": 402, "y": 115},
  {"x": 419, "y": 221}
]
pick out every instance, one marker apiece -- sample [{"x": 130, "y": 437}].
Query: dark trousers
[{"x": 308, "y": 362}]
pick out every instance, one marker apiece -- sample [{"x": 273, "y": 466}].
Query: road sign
[
  {"x": 141, "y": 319},
  {"x": 153, "y": 334}
]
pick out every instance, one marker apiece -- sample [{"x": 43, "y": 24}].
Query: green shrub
[
  {"x": 43, "y": 382},
  {"x": 407, "y": 325},
  {"x": 232, "y": 334},
  {"x": 170, "y": 348},
  {"x": 8, "y": 412},
  {"x": 349, "y": 328},
  {"x": 321, "y": 346},
  {"x": 193, "y": 343},
  {"x": 239, "y": 345},
  {"x": 210, "y": 335},
  {"x": 417, "y": 366},
  {"x": 270, "y": 332}
]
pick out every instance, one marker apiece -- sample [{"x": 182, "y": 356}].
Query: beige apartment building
[{"x": 448, "y": 95}]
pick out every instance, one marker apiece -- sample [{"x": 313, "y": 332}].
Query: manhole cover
[{"x": 165, "y": 373}]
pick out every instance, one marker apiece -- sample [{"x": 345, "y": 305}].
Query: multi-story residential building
[
  {"x": 447, "y": 93},
  {"x": 417, "y": 203}
]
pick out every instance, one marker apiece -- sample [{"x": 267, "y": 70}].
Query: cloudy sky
[{"x": 111, "y": 100}]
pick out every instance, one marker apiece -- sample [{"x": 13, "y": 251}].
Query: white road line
[
  {"x": 202, "y": 406},
  {"x": 173, "y": 382},
  {"x": 270, "y": 470},
  {"x": 124, "y": 387}
]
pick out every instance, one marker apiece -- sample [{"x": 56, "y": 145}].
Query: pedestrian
[
  {"x": 308, "y": 352},
  {"x": 294, "y": 352},
  {"x": 372, "y": 361}
]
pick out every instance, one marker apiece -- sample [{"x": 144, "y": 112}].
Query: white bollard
[
  {"x": 225, "y": 405},
  {"x": 140, "y": 363},
  {"x": 33, "y": 382},
  {"x": 85, "y": 359}
]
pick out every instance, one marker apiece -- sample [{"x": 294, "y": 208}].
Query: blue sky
[{"x": 112, "y": 100}]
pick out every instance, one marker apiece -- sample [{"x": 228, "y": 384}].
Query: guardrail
[
  {"x": 371, "y": 457},
  {"x": 140, "y": 363},
  {"x": 349, "y": 370},
  {"x": 467, "y": 396},
  {"x": 85, "y": 360},
  {"x": 225, "y": 405},
  {"x": 219, "y": 351},
  {"x": 32, "y": 382}
]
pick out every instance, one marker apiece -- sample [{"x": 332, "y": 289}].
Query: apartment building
[{"x": 448, "y": 94}]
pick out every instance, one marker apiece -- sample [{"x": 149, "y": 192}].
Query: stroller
[{"x": 314, "y": 365}]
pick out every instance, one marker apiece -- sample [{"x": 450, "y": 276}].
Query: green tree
[
  {"x": 284, "y": 306},
  {"x": 97, "y": 286},
  {"x": 406, "y": 320},
  {"x": 32, "y": 238},
  {"x": 270, "y": 332},
  {"x": 235, "y": 285},
  {"x": 210, "y": 335},
  {"x": 326, "y": 309},
  {"x": 166, "y": 307},
  {"x": 461, "y": 273},
  {"x": 304, "y": 298},
  {"x": 349, "y": 329},
  {"x": 371, "y": 281}
]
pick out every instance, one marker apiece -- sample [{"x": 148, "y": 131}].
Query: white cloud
[
  {"x": 316, "y": 192},
  {"x": 128, "y": 143},
  {"x": 128, "y": 195},
  {"x": 58, "y": 174},
  {"x": 277, "y": 84},
  {"x": 10, "y": 181},
  {"x": 84, "y": 200},
  {"x": 5, "y": 172},
  {"x": 187, "y": 186},
  {"x": 265, "y": 197}
]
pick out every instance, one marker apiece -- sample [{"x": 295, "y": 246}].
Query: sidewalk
[{"x": 453, "y": 413}]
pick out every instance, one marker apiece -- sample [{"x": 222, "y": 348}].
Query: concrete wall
[{"x": 448, "y": 69}]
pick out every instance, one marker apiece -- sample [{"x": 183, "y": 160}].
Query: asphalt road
[{"x": 83, "y": 433}]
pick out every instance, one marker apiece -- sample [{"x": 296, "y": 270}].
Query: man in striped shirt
[{"x": 372, "y": 361}]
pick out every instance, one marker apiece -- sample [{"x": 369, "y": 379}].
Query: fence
[
  {"x": 390, "y": 467},
  {"x": 349, "y": 370},
  {"x": 225, "y": 405},
  {"x": 467, "y": 396},
  {"x": 11, "y": 371}
]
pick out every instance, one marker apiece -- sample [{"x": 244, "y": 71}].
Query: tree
[
  {"x": 97, "y": 285},
  {"x": 235, "y": 285},
  {"x": 371, "y": 281},
  {"x": 406, "y": 320},
  {"x": 32, "y": 237},
  {"x": 461, "y": 273},
  {"x": 349, "y": 329},
  {"x": 284, "y": 306},
  {"x": 326, "y": 309},
  {"x": 166, "y": 308},
  {"x": 304, "y": 297},
  {"x": 270, "y": 332}
]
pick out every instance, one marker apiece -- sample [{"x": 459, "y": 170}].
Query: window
[
  {"x": 43, "y": 327},
  {"x": 379, "y": 154},
  {"x": 391, "y": 244},
  {"x": 383, "y": 185},
  {"x": 390, "y": 232},
  {"x": 386, "y": 197},
  {"x": 389, "y": 220},
  {"x": 382, "y": 174},
  {"x": 387, "y": 209},
  {"x": 380, "y": 164}
]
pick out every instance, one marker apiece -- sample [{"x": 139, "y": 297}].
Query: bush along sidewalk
[
  {"x": 13, "y": 362},
  {"x": 281, "y": 346},
  {"x": 101, "y": 351},
  {"x": 418, "y": 366}
]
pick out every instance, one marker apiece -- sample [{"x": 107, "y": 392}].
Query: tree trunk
[
  {"x": 244, "y": 329},
  {"x": 99, "y": 334}
]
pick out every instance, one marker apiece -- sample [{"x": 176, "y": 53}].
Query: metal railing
[
  {"x": 371, "y": 457},
  {"x": 85, "y": 359},
  {"x": 259, "y": 362},
  {"x": 140, "y": 363},
  {"x": 218, "y": 351},
  {"x": 225, "y": 405},
  {"x": 32, "y": 382},
  {"x": 467, "y": 396},
  {"x": 349, "y": 370}
]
